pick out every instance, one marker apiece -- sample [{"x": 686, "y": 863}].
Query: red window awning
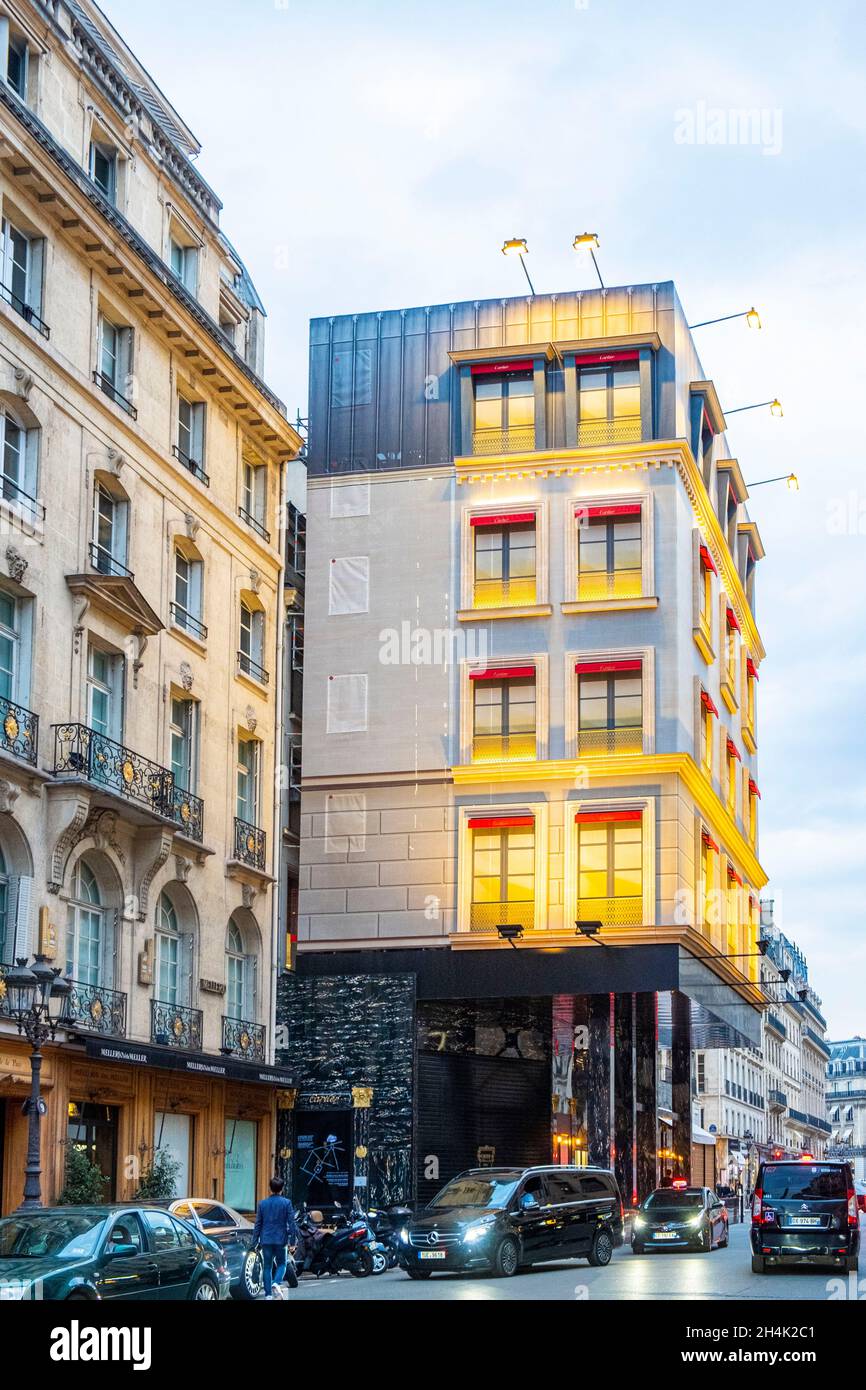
[
  {"x": 752, "y": 902},
  {"x": 733, "y": 876},
  {"x": 594, "y": 817},
  {"x": 525, "y": 364},
  {"x": 501, "y": 822},
  {"x": 707, "y": 839},
  {"x": 732, "y": 619},
  {"x": 611, "y": 509},
  {"x": 753, "y": 789},
  {"x": 707, "y": 561},
  {"x": 752, "y": 668},
  {"x": 733, "y": 750},
  {"x": 503, "y": 673},
  {"x": 594, "y": 359},
  {"x": 503, "y": 519},
  {"x": 707, "y": 703},
  {"x": 604, "y": 668}
]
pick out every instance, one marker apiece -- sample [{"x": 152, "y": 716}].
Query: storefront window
[
  {"x": 172, "y": 1135},
  {"x": 240, "y": 1168}
]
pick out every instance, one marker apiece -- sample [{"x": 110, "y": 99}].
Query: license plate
[
  {"x": 665, "y": 1235},
  {"x": 804, "y": 1221},
  {"x": 432, "y": 1254}
]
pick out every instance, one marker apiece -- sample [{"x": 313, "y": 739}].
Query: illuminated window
[
  {"x": 729, "y": 670},
  {"x": 732, "y": 757},
  {"x": 503, "y": 872},
  {"x": 754, "y": 797},
  {"x": 609, "y": 552},
  {"x": 708, "y": 714},
  {"x": 505, "y": 560},
  {"x": 610, "y": 867},
  {"x": 735, "y": 884},
  {"x": 504, "y": 409},
  {"x": 504, "y": 724},
  {"x": 610, "y": 707},
  {"x": 608, "y": 403}
]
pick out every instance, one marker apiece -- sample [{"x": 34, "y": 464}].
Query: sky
[{"x": 373, "y": 156}]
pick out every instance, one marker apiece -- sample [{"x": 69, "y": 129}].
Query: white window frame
[
  {"x": 33, "y": 269},
  {"x": 118, "y": 551},
  {"x": 194, "y": 583},
  {"x": 254, "y": 772},
  {"x": 112, "y": 688},
  {"x": 541, "y": 606},
  {"x": 111, "y": 154},
  {"x": 253, "y": 632},
  {"x": 189, "y": 736},
  {"x": 646, "y": 656},
  {"x": 545, "y": 916},
  {"x": 27, "y": 482},
  {"x": 648, "y": 597},
  {"x": 647, "y": 806},
  {"x": 540, "y": 661},
  {"x": 194, "y": 432},
  {"x": 254, "y": 490}
]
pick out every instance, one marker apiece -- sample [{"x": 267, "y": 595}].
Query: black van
[
  {"x": 805, "y": 1212},
  {"x": 505, "y": 1219}
]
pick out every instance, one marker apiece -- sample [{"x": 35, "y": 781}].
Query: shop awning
[
  {"x": 144, "y": 1055},
  {"x": 703, "y": 1136}
]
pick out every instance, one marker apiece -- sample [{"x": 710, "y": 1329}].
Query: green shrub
[
  {"x": 84, "y": 1181},
  {"x": 158, "y": 1181}
]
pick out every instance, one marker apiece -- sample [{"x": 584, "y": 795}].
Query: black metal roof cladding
[{"x": 133, "y": 239}]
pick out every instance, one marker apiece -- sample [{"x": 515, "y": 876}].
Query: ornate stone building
[{"x": 141, "y": 626}]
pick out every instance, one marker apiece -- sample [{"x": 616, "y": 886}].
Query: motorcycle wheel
[
  {"x": 363, "y": 1266},
  {"x": 380, "y": 1262}
]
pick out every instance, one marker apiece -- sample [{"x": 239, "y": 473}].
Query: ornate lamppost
[{"x": 37, "y": 1001}]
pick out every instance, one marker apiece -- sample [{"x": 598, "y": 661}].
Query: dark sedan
[
  {"x": 676, "y": 1218},
  {"x": 107, "y": 1252}
]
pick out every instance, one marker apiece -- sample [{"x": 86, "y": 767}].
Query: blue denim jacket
[{"x": 275, "y": 1222}]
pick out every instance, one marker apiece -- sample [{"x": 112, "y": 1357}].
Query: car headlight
[
  {"x": 404, "y": 1236},
  {"x": 476, "y": 1232},
  {"x": 639, "y": 1223},
  {"x": 695, "y": 1221}
]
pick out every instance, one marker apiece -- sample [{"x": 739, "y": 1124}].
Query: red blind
[
  {"x": 732, "y": 620},
  {"x": 614, "y": 509},
  {"x": 708, "y": 704},
  {"x": 707, "y": 560},
  {"x": 498, "y": 673},
  {"x": 707, "y": 839},
  {"x": 594, "y": 358},
  {"x": 593, "y": 817},
  {"x": 603, "y": 668},
  {"x": 734, "y": 750},
  {"x": 733, "y": 876},
  {"x": 500, "y": 822},
  {"x": 753, "y": 789},
  {"x": 487, "y": 368},
  {"x": 752, "y": 668},
  {"x": 503, "y": 519}
]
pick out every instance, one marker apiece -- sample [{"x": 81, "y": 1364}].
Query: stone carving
[
  {"x": 139, "y": 659},
  {"x": 78, "y": 630},
  {"x": 181, "y": 868},
  {"x": 115, "y": 462},
  {"x": 16, "y": 564},
  {"x": 24, "y": 383},
  {"x": 9, "y": 794},
  {"x": 248, "y": 896},
  {"x": 251, "y": 719},
  {"x": 102, "y": 827},
  {"x": 255, "y": 581},
  {"x": 186, "y": 676},
  {"x": 152, "y": 850},
  {"x": 192, "y": 525},
  {"x": 72, "y": 812}
]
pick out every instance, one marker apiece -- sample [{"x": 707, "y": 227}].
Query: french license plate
[
  {"x": 665, "y": 1235},
  {"x": 432, "y": 1254},
  {"x": 804, "y": 1221}
]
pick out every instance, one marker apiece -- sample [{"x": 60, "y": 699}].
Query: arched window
[
  {"x": 240, "y": 975},
  {"x": 89, "y": 956},
  {"x": 173, "y": 956}
]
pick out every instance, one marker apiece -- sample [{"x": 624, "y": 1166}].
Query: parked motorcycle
[
  {"x": 349, "y": 1248},
  {"x": 386, "y": 1224}
]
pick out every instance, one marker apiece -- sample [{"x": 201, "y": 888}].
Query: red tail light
[
  {"x": 757, "y": 1204},
  {"x": 853, "y": 1214}
]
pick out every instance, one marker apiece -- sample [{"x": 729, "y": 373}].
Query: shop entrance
[
  {"x": 93, "y": 1131},
  {"x": 324, "y": 1158},
  {"x": 240, "y": 1166},
  {"x": 172, "y": 1135}
]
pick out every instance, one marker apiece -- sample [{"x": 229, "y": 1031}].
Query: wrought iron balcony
[
  {"x": 798, "y": 1116},
  {"x": 173, "y": 1025},
  {"x": 514, "y": 441},
  {"x": 618, "y": 584},
  {"x": 182, "y": 618},
  {"x": 777, "y": 1100},
  {"x": 5, "y": 966},
  {"x": 774, "y": 1022},
  {"x": 108, "y": 388},
  {"x": 97, "y": 1009},
  {"x": 504, "y": 593},
  {"x": 19, "y": 731},
  {"x": 625, "y": 430},
  {"x": 82, "y": 752},
  {"x": 486, "y": 917},
  {"x": 250, "y": 845},
  {"x": 104, "y": 562},
  {"x": 612, "y": 912},
  {"x": 244, "y": 1039},
  {"x": 252, "y": 668},
  {"x": 505, "y": 748},
  {"x": 816, "y": 1040},
  {"x": 599, "y": 741},
  {"x": 254, "y": 522},
  {"x": 30, "y": 509},
  {"x": 27, "y": 312},
  {"x": 190, "y": 464},
  {"x": 815, "y": 1122}
]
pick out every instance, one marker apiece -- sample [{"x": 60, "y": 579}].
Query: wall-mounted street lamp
[
  {"x": 752, "y": 317},
  {"x": 790, "y": 478},
  {"x": 516, "y": 246},
  {"x": 37, "y": 1001},
  {"x": 775, "y": 408},
  {"x": 591, "y": 242}
]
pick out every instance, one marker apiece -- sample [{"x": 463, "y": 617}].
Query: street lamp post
[{"x": 37, "y": 999}]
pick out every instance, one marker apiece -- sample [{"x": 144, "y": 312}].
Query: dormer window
[{"x": 504, "y": 408}]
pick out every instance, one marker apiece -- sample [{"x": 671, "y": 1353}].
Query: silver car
[{"x": 234, "y": 1233}]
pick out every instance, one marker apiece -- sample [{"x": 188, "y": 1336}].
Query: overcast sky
[{"x": 376, "y": 155}]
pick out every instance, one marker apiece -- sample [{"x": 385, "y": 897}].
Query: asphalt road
[{"x": 664, "y": 1275}]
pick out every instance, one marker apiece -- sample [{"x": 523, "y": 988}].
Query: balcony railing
[
  {"x": 815, "y": 1122},
  {"x": 97, "y": 1009},
  {"x": 774, "y": 1022},
  {"x": 777, "y": 1100},
  {"x": 625, "y": 430},
  {"x": 104, "y": 562},
  {"x": 30, "y": 509},
  {"x": 611, "y": 912},
  {"x": 28, "y": 313},
  {"x": 514, "y": 441},
  {"x": 252, "y": 668},
  {"x": 243, "y": 1039},
  {"x": 182, "y": 618},
  {"x": 504, "y": 748},
  {"x": 250, "y": 844},
  {"x": 598, "y": 585},
  {"x": 254, "y": 522},
  {"x": 19, "y": 731},
  {"x": 798, "y": 1117},
  {"x": 600, "y": 741},
  {"x": 5, "y": 966},
  {"x": 816, "y": 1040},
  {"x": 504, "y": 593},
  {"x": 82, "y": 752},
  {"x": 173, "y": 1025},
  {"x": 486, "y": 917},
  {"x": 190, "y": 465},
  {"x": 108, "y": 388}
]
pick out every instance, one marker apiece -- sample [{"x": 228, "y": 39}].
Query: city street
[{"x": 664, "y": 1275}]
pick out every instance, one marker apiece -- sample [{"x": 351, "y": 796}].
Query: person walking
[{"x": 275, "y": 1230}]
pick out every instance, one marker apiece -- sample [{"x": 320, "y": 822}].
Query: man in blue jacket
[{"x": 275, "y": 1230}]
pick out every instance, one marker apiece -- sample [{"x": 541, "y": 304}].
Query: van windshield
[
  {"x": 492, "y": 1193},
  {"x": 800, "y": 1181}
]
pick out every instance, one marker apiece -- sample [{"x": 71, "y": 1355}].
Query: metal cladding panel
[{"x": 383, "y": 388}]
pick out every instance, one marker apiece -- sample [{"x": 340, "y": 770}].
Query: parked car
[
  {"x": 107, "y": 1252},
  {"x": 805, "y": 1212},
  {"x": 233, "y": 1232},
  {"x": 505, "y": 1219},
  {"x": 673, "y": 1218}
]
